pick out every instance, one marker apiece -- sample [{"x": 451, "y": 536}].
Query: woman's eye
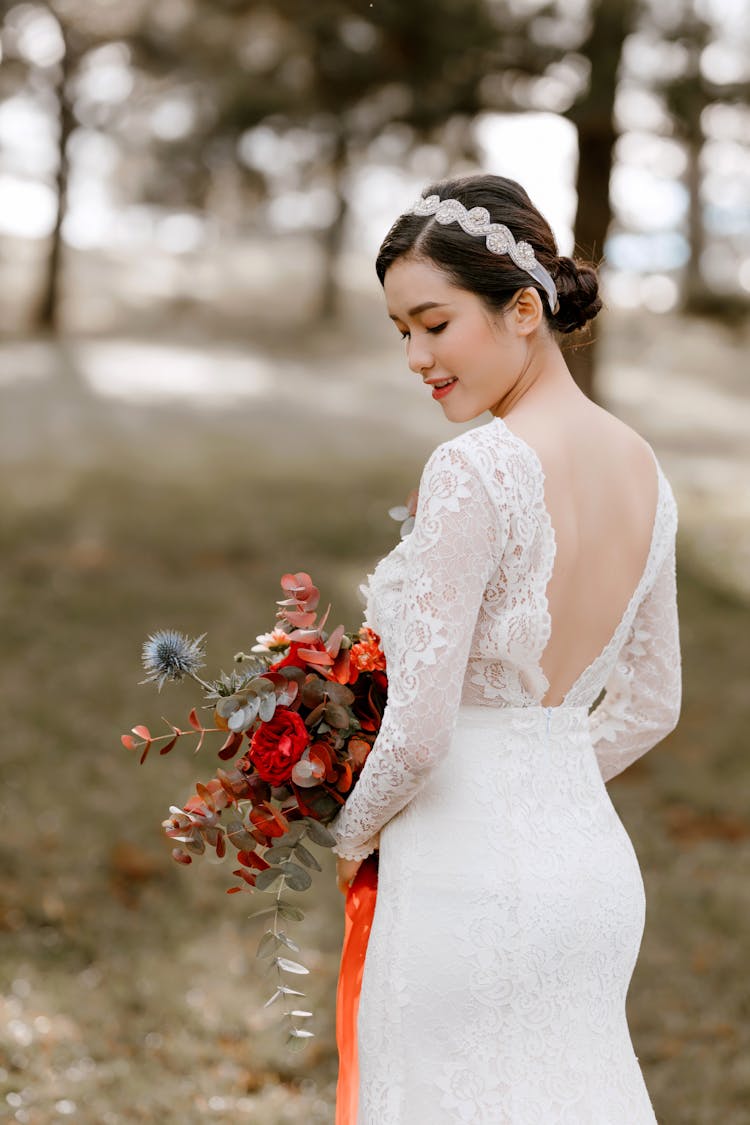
[
  {"x": 438, "y": 327},
  {"x": 404, "y": 335}
]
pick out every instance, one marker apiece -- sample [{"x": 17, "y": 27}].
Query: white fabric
[{"x": 510, "y": 905}]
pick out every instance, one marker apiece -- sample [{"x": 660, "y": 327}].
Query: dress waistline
[{"x": 548, "y": 720}]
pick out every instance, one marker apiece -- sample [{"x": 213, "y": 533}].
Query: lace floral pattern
[{"x": 460, "y": 606}]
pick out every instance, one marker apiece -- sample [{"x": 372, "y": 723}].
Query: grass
[{"x": 131, "y": 987}]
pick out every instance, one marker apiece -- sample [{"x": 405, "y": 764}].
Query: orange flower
[{"x": 366, "y": 654}]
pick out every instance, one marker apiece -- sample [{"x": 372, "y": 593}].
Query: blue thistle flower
[{"x": 169, "y": 655}]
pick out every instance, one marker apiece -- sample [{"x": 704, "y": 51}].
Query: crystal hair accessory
[{"x": 498, "y": 238}]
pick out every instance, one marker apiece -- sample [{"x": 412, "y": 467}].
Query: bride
[{"x": 529, "y": 623}]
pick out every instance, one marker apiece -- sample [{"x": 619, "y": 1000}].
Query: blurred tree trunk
[
  {"x": 593, "y": 116},
  {"x": 48, "y": 310},
  {"x": 696, "y": 290},
  {"x": 333, "y": 237}
]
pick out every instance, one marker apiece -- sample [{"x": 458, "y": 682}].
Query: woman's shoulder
[{"x": 480, "y": 449}]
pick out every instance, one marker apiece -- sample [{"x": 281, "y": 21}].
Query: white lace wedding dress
[{"x": 510, "y": 905}]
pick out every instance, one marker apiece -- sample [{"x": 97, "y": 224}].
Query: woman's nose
[{"x": 420, "y": 356}]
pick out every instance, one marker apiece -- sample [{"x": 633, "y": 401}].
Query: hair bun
[{"x": 577, "y": 286}]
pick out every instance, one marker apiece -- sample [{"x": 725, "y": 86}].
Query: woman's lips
[{"x": 441, "y": 392}]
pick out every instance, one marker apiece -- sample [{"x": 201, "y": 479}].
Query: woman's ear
[{"x": 527, "y": 312}]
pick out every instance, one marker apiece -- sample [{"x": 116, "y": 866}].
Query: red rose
[{"x": 277, "y": 745}]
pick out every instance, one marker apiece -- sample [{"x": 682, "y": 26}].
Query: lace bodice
[{"x": 461, "y": 609}]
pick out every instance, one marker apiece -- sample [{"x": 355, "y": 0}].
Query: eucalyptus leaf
[
  {"x": 290, "y": 991},
  {"x": 297, "y": 829},
  {"x": 260, "y": 913},
  {"x": 319, "y": 834},
  {"x": 277, "y": 852},
  {"x": 289, "y": 911},
  {"x": 306, "y": 857},
  {"x": 288, "y": 941},
  {"x": 267, "y": 706},
  {"x": 296, "y": 877},
  {"x": 269, "y": 943},
  {"x": 339, "y": 693},
  {"x": 301, "y": 1032},
  {"x": 267, "y": 878},
  {"x": 300, "y": 1012},
  {"x": 290, "y": 966},
  {"x": 277, "y": 993},
  {"x": 239, "y": 720},
  {"x": 336, "y": 715}
]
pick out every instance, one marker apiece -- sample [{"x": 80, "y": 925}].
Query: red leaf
[
  {"x": 269, "y": 820},
  {"x": 234, "y": 890},
  {"x": 319, "y": 752},
  {"x": 333, "y": 644},
  {"x": 342, "y": 666},
  {"x": 221, "y": 846},
  {"x": 315, "y": 656},
  {"x": 246, "y": 875},
  {"x": 194, "y": 720},
  {"x": 127, "y": 742},
  {"x": 298, "y": 618},
  {"x": 231, "y": 746},
  {"x": 146, "y": 749},
  {"x": 252, "y": 859},
  {"x": 205, "y": 795},
  {"x": 169, "y": 745},
  {"x": 344, "y": 782},
  {"x": 142, "y": 732}
]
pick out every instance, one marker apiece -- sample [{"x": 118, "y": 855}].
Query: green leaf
[
  {"x": 260, "y": 913},
  {"x": 289, "y": 911},
  {"x": 296, "y": 877},
  {"x": 277, "y": 852},
  {"x": 266, "y": 879},
  {"x": 306, "y": 857},
  {"x": 287, "y": 941},
  {"x": 337, "y": 715},
  {"x": 269, "y": 943},
  {"x": 319, "y": 834}
]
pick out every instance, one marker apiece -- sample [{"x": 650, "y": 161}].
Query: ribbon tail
[{"x": 360, "y": 908}]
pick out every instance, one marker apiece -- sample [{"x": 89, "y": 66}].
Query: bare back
[{"x": 601, "y": 492}]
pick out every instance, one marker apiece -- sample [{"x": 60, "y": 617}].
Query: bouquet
[{"x": 298, "y": 717}]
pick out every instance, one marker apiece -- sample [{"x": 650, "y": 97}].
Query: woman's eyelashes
[{"x": 437, "y": 328}]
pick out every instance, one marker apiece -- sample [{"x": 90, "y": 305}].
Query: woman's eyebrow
[{"x": 421, "y": 308}]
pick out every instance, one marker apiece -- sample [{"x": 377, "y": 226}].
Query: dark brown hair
[{"x": 467, "y": 263}]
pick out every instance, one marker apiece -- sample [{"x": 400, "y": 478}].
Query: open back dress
[{"x": 510, "y": 904}]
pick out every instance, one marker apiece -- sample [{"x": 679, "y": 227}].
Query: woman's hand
[{"x": 346, "y": 869}]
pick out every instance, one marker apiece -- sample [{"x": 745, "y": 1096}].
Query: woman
[{"x": 539, "y": 571}]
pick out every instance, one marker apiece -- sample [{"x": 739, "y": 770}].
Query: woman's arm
[
  {"x": 644, "y": 691},
  {"x": 454, "y": 548}
]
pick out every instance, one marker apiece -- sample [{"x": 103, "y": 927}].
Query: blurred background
[{"x": 200, "y": 390}]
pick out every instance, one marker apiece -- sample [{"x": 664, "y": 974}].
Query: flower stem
[{"x": 198, "y": 680}]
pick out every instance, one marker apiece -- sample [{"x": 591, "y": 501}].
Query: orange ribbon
[{"x": 360, "y": 908}]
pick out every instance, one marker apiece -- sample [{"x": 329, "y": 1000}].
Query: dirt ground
[{"x": 150, "y": 482}]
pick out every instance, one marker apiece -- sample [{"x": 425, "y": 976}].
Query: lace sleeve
[
  {"x": 644, "y": 692},
  {"x": 453, "y": 549}
]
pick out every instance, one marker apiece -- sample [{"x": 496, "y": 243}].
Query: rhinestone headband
[{"x": 498, "y": 238}]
